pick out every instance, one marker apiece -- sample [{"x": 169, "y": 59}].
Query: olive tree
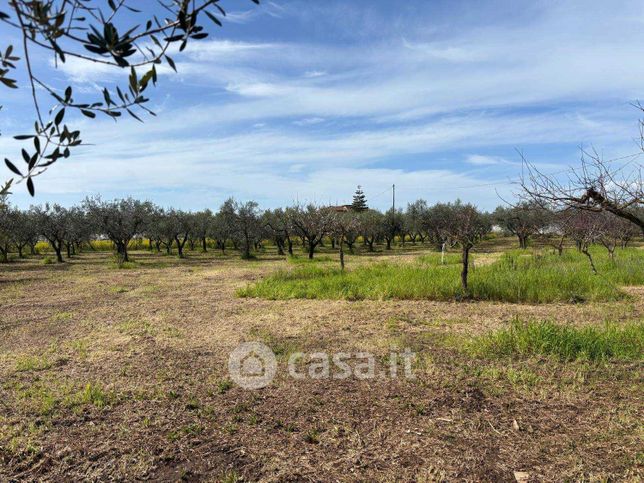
[
  {"x": 79, "y": 229},
  {"x": 119, "y": 220},
  {"x": 8, "y": 221},
  {"x": 278, "y": 227},
  {"x": 372, "y": 222},
  {"x": 523, "y": 220},
  {"x": 437, "y": 223},
  {"x": 392, "y": 226},
  {"x": 413, "y": 220},
  {"x": 466, "y": 225},
  {"x": 222, "y": 228},
  {"x": 312, "y": 223},
  {"x": 52, "y": 225},
  {"x": 202, "y": 225},
  {"x": 25, "y": 232},
  {"x": 242, "y": 222}
]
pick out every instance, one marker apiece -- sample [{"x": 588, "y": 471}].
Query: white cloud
[
  {"x": 564, "y": 75},
  {"x": 482, "y": 160},
  {"x": 308, "y": 121},
  {"x": 314, "y": 73}
]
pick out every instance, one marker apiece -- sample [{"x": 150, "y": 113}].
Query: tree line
[{"x": 243, "y": 226}]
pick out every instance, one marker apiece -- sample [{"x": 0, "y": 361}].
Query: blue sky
[{"x": 302, "y": 101}]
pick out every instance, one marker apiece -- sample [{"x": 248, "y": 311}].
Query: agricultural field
[{"x": 119, "y": 371}]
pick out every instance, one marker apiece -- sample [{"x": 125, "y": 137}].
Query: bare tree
[
  {"x": 585, "y": 228},
  {"x": 596, "y": 186},
  {"x": 345, "y": 225},
  {"x": 615, "y": 232},
  {"x": 555, "y": 232},
  {"x": 312, "y": 223}
]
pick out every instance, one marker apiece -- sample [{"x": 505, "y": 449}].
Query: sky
[{"x": 301, "y": 101}]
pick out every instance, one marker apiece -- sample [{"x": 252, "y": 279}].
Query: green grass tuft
[
  {"x": 517, "y": 277},
  {"x": 523, "y": 339}
]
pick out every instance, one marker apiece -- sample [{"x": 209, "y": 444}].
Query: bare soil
[{"x": 121, "y": 374}]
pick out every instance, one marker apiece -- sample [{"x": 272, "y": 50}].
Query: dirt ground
[{"x": 121, "y": 374}]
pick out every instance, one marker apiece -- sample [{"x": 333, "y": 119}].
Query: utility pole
[{"x": 393, "y": 198}]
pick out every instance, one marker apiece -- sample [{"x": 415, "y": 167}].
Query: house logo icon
[{"x": 252, "y": 365}]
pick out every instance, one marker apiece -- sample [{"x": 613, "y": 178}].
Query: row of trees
[{"x": 244, "y": 226}]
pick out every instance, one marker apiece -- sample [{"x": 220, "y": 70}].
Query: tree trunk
[
  {"x": 341, "y": 256},
  {"x": 204, "y": 245},
  {"x": 464, "y": 272},
  {"x": 280, "y": 246},
  {"x": 20, "y": 254},
  {"x": 388, "y": 244},
  {"x": 290, "y": 246},
  {"x": 311, "y": 249},
  {"x": 584, "y": 250},
  {"x": 32, "y": 248},
  {"x": 180, "y": 246},
  {"x": 523, "y": 241},
  {"x": 370, "y": 243},
  {"x": 121, "y": 252},
  {"x": 57, "y": 249}
]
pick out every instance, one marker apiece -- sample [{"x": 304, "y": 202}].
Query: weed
[
  {"x": 32, "y": 363},
  {"x": 61, "y": 316},
  {"x": 91, "y": 394},
  {"x": 224, "y": 386},
  {"x": 312, "y": 436}
]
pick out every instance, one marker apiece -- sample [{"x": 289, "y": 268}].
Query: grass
[
  {"x": 32, "y": 363},
  {"x": 609, "y": 342},
  {"x": 518, "y": 276}
]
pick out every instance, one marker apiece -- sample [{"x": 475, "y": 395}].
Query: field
[{"x": 122, "y": 373}]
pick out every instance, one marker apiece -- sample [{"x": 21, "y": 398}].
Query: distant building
[{"x": 341, "y": 208}]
